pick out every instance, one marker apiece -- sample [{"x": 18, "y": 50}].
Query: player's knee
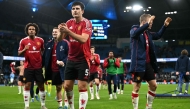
[
  {"x": 27, "y": 86},
  {"x": 58, "y": 88},
  {"x": 136, "y": 89},
  {"x": 153, "y": 87},
  {"x": 82, "y": 86},
  {"x": 67, "y": 87},
  {"x": 41, "y": 86}
]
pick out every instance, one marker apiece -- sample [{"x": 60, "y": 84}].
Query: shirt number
[{"x": 86, "y": 72}]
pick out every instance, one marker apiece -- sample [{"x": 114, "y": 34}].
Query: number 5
[{"x": 86, "y": 72}]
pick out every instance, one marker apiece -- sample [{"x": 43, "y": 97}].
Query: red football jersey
[
  {"x": 12, "y": 67},
  {"x": 94, "y": 63},
  {"x": 33, "y": 56},
  {"x": 54, "y": 65},
  {"x": 79, "y": 51}
]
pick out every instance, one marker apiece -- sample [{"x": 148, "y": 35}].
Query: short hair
[
  {"x": 111, "y": 51},
  {"x": 184, "y": 52},
  {"x": 55, "y": 27},
  {"x": 78, "y": 3},
  {"x": 143, "y": 17},
  {"x": 34, "y": 25},
  {"x": 92, "y": 47}
]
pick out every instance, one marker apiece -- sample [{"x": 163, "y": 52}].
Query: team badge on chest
[
  {"x": 61, "y": 48},
  {"x": 38, "y": 43}
]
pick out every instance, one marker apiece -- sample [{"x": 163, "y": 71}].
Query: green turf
[{"x": 9, "y": 99}]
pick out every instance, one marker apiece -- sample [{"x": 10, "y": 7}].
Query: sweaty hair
[
  {"x": 92, "y": 47},
  {"x": 34, "y": 25},
  {"x": 144, "y": 17},
  {"x": 78, "y": 3},
  {"x": 184, "y": 52}
]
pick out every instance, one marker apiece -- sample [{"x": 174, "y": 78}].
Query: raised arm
[{"x": 157, "y": 35}]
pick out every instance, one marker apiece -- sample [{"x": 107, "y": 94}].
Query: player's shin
[
  {"x": 66, "y": 100},
  {"x": 70, "y": 97},
  {"x": 100, "y": 85},
  {"x": 97, "y": 88},
  {"x": 135, "y": 100},
  {"x": 91, "y": 91},
  {"x": 150, "y": 98},
  {"x": 26, "y": 97},
  {"x": 19, "y": 90},
  {"x": 42, "y": 97},
  {"x": 83, "y": 99}
]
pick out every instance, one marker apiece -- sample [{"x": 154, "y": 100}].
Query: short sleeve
[
  {"x": 87, "y": 27},
  {"x": 21, "y": 45}
]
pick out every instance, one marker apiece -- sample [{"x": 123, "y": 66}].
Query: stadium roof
[{"x": 52, "y": 12}]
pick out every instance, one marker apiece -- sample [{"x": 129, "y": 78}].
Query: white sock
[
  {"x": 42, "y": 97},
  {"x": 97, "y": 89},
  {"x": 135, "y": 100},
  {"x": 111, "y": 96},
  {"x": 150, "y": 98},
  {"x": 100, "y": 86},
  {"x": 66, "y": 100},
  {"x": 70, "y": 97},
  {"x": 60, "y": 102},
  {"x": 19, "y": 89},
  {"x": 83, "y": 99},
  {"x": 91, "y": 90},
  {"x": 26, "y": 97}
]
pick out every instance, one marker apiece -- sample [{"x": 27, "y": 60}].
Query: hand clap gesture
[
  {"x": 63, "y": 28},
  {"x": 151, "y": 19},
  {"x": 167, "y": 21}
]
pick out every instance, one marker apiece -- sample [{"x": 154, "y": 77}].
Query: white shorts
[{"x": 11, "y": 80}]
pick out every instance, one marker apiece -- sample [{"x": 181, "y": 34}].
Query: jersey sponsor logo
[
  {"x": 49, "y": 48},
  {"x": 33, "y": 51},
  {"x": 73, "y": 40}
]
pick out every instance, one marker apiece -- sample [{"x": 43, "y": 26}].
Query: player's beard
[{"x": 32, "y": 36}]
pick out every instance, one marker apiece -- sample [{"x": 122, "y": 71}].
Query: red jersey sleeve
[
  {"x": 87, "y": 27},
  {"x": 105, "y": 64},
  {"x": 42, "y": 45},
  {"x": 21, "y": 45},
  {"x": 68, "y": 23},
  {"x": 117, "y": 63},
  {"x": 97, "y": 59}
]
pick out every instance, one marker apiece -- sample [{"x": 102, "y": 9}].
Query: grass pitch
[{"x": 9, "y": 99}]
